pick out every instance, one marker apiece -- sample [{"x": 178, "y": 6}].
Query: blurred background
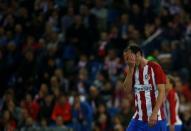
[{"x": 61, "y": 63}]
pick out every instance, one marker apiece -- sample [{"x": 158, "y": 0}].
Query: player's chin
[{"x": 131, "y": 62}]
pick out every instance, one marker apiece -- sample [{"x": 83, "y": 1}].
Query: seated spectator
[
  {"x": 112, "y": 64},
  {"x": 117, "y": 124},
  {"x": 43, "y": 91},
  {"x": 107, "y": 92},
  {"x": 59, "y": 122},
  {"x": 64, "y": 83},
  {"x": 14, "y": 110},
  {"x": 102, "y": 123},
  {"x": 94, "y": 99},
  {"x": 31, "y": 106},
  {"x": 102, "y": 45},
  {"x": 102, "y": 118},
  {"x": 29, "y": 124},
  {"x": 8, "y": 96},
  {"x": 82, "y": 115},
  {"x": 46, "y": 109},
  {"x": 7, "y": 122},
  {"x": 62, "y": 108}
]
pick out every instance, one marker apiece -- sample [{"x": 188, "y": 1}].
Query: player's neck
[
  {"x": 143, "y": 62},
  {"x": 168, "y": 89}
]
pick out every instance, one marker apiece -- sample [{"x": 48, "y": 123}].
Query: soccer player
[
  {"x": 146, "y": 80},
  {"x": 172, "y": 106}
]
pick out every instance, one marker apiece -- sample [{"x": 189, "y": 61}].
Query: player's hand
[
  {"x": 130, "y": 58},
  {"x": 171, "y": 128},
  {"x": 152, "y": 119}
]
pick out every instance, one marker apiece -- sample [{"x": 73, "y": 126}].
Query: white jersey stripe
[
  {"x": 137, "y": 76},
  {"x": 145, "y": 72},
  {"x": 147, "y": 93},
  {"x": 167, "y": 108},
  {"x": 135, "y": 107},
  {"x": 140, "y": 113},
  {"x": 153, "y": 78},
  {"x": 134, "y": 116},
  {"x": 178, "y": 121},
  {"x": 139, "y": 107}
]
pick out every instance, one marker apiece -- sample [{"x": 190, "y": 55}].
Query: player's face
[
  {"x": 138, "y": 58},
  {"x": 129, "y": 57}
]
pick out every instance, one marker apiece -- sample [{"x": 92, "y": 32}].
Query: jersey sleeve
[{"x": 160, "y": 76}]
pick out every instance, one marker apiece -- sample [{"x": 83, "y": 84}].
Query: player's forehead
[{"x": 127, "y": 51}]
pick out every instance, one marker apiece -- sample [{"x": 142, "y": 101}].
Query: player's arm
[
  {"x": 158, "y": 104},
  {"x": 127, "y": 84},
  {"x": 160, "y": 99},
  {"x": 160, "y": 80}
]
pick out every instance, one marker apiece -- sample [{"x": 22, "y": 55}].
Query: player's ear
[{"x": 138, "y": 54}]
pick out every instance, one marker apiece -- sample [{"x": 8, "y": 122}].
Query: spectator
[
  {"x": 7, "y": 122},
  {"x": 101, "y": 13},
  {"x": 94, "y": 99},
  {"x": 64, "y": 83},
  {"x": 46, "y": 109},
  {"x": 76, "y": 34},
  {"x": 112, "y": 64},
  {"x": 63, "y": 109},
  {"x": 102, "y": 117},
  {"x": 29, "y": 124},
  {"x": 124, "y": 26},
  {"x": 14, "y": 110},
  {"x": 31, "y": 106},
  {"x": 117, "y": 124},
  {"x": 68, "y": 19},
  {"x": 102, "y": 44},
  {"x": 60, "y": 122},
  {"x": 83, "y": 115},
  {"x": 43, "y": 91}
]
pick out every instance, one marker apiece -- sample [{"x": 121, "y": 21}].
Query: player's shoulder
[{"x": 153, "y": 64}]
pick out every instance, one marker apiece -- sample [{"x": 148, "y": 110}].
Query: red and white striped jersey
[
  {"x": 172, "y": 106},
  {"x": 145, "y": 81}
]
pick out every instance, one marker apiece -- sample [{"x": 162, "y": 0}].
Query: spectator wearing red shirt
[
  {"x": 63, "y": 109},
  {"x": 31, "y": 106}
]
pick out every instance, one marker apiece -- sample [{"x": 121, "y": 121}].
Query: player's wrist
[
  {"x": 131, "y": 69},
  {"x": 154, "y": 113}
]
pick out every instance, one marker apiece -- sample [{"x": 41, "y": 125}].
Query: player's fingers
[{"x": 151, "y": 123}]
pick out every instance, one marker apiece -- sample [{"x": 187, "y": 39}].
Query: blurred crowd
[{"x": 61, "y": 61}]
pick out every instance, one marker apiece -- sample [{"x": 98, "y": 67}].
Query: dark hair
[
  {"x": 134, "y": 48},
  {"x": 171, "y": 80}
]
